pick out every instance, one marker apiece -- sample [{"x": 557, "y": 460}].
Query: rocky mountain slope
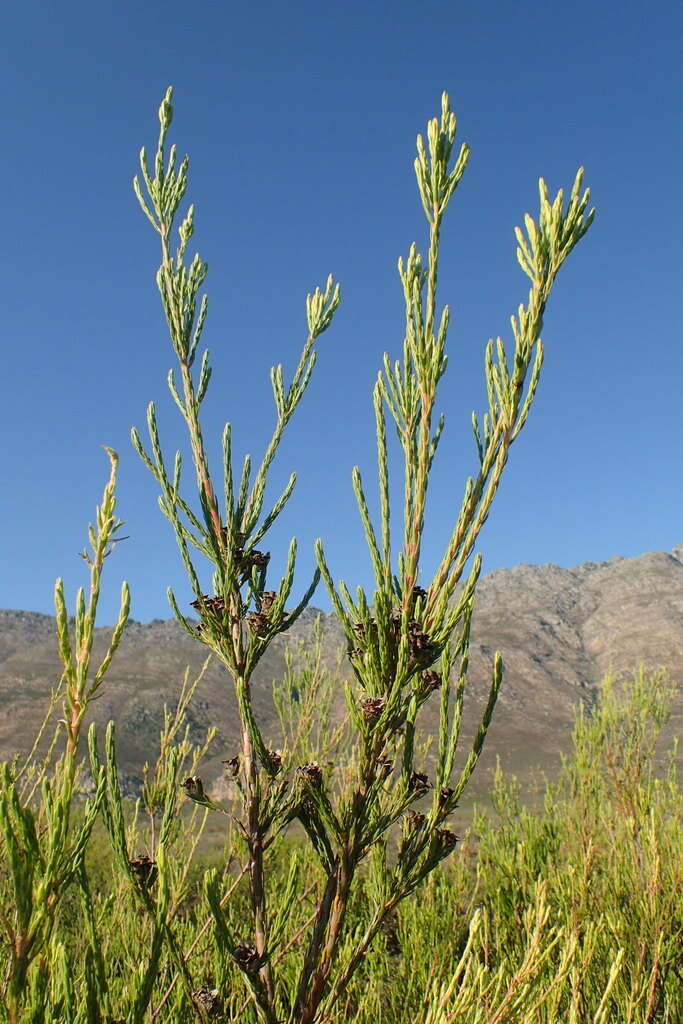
[{"x": 559, "y": 631}]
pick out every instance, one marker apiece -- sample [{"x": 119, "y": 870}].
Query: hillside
[{"x": 558, "y": 630}]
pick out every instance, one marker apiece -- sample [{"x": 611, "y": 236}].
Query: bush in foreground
[{"x": 300, "y": 940}]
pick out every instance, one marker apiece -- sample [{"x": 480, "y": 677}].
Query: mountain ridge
[{"x": 559, "y": 630}]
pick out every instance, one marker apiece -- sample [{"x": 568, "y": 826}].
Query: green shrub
[{"x": 279, "y": 930}]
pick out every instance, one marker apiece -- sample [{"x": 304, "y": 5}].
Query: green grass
[{"x": 573, "y": 912}]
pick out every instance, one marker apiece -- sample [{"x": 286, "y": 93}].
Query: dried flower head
[
  {"x": 194, "y": 788},
  {"x": 254, "y": 560},
  {"x": 275, "y": 758},
  {"x": 144, "y": 870},
  {"x": 258, "y": 559},
  {"x": 430, "y": 680},
  {"x": 384, "y": 767},
  {"x": 310, "y": 773},
  {"x": 209, "y": 1000},
  {"x": 372, "y": 708},
  {"x": 232, "y": 766},
  {"x": 422, "y": 649},
  {"x": 213, "y": 605},
  {"x": 234, "y": 541},
  {"x": 418, "y": 784},
  {"x": 247, "y": 958},
  {"x": 446, "y": 840},
  {"x": 418, "y": 592},
  {"x": 258, "y": 623},
  {"x": 359, "y": 631},
  {"x": 414, "y": 821},
  {"x": 356, "y": 654},
  {"x": 445, "y": 795},
  {"x": 249, "y": 560},
  {"x": 266, "y": 600}
]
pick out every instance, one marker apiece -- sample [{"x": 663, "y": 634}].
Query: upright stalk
[
  {"x": 242, "y": 617},
  {"x": 45, "y": 854},
  {"x": 405, "y": 642}
]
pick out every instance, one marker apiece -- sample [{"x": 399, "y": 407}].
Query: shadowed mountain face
[{"x": 559, "y": 630}]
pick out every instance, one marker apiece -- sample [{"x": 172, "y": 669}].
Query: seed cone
[
  {"x": 247, "y": 958},
  {"x": 209, "y": 1000},
  {"x": 232, "y": 766},
  {"x": 194, "y": 788},
  {"x": 310, "y": 773},
  {"x": 144, "y": 870},
  {"x": 258, "y": 623},
  {"x": 418, "y": 784},
  {"x": 372, "y": 707}
]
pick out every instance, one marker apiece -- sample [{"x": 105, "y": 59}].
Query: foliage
[
  {"x": 42, "y": 856},
  {"x": 278, "y": 932},
  {"x": 581, "y": 906},
  {"x": 540, "y": 917}
]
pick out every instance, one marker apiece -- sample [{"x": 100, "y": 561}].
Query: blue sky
[{"x": 300, "y": 121}]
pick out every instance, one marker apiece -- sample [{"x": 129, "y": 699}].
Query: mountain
[{"x": 559, "y": 630}]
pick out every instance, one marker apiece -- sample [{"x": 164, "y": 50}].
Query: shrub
[{"x": 300, "y": 937}]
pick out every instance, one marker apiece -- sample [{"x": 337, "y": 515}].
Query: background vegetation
[{"x": 573, "y": 912}]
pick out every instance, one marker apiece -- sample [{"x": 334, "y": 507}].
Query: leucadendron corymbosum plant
[
  {"x": 40, "y": 845},
  {"x": 56, "y": 932},
  {"x": 407, "y": 642}
]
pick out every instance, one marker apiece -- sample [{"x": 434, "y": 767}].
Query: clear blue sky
[{"x": 300, "y": 121}]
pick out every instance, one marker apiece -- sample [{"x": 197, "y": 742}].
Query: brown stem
[
  {"x": 360, "y": 951},
  {"x": 331, "y": 911},
  {"x": 255, "y": 842},
  {"x": 285, "y": 949},
  {"x": 256, "y": 875},
  {"x": 336, "y": 921},
  {"x": 312, "y": 981}
]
